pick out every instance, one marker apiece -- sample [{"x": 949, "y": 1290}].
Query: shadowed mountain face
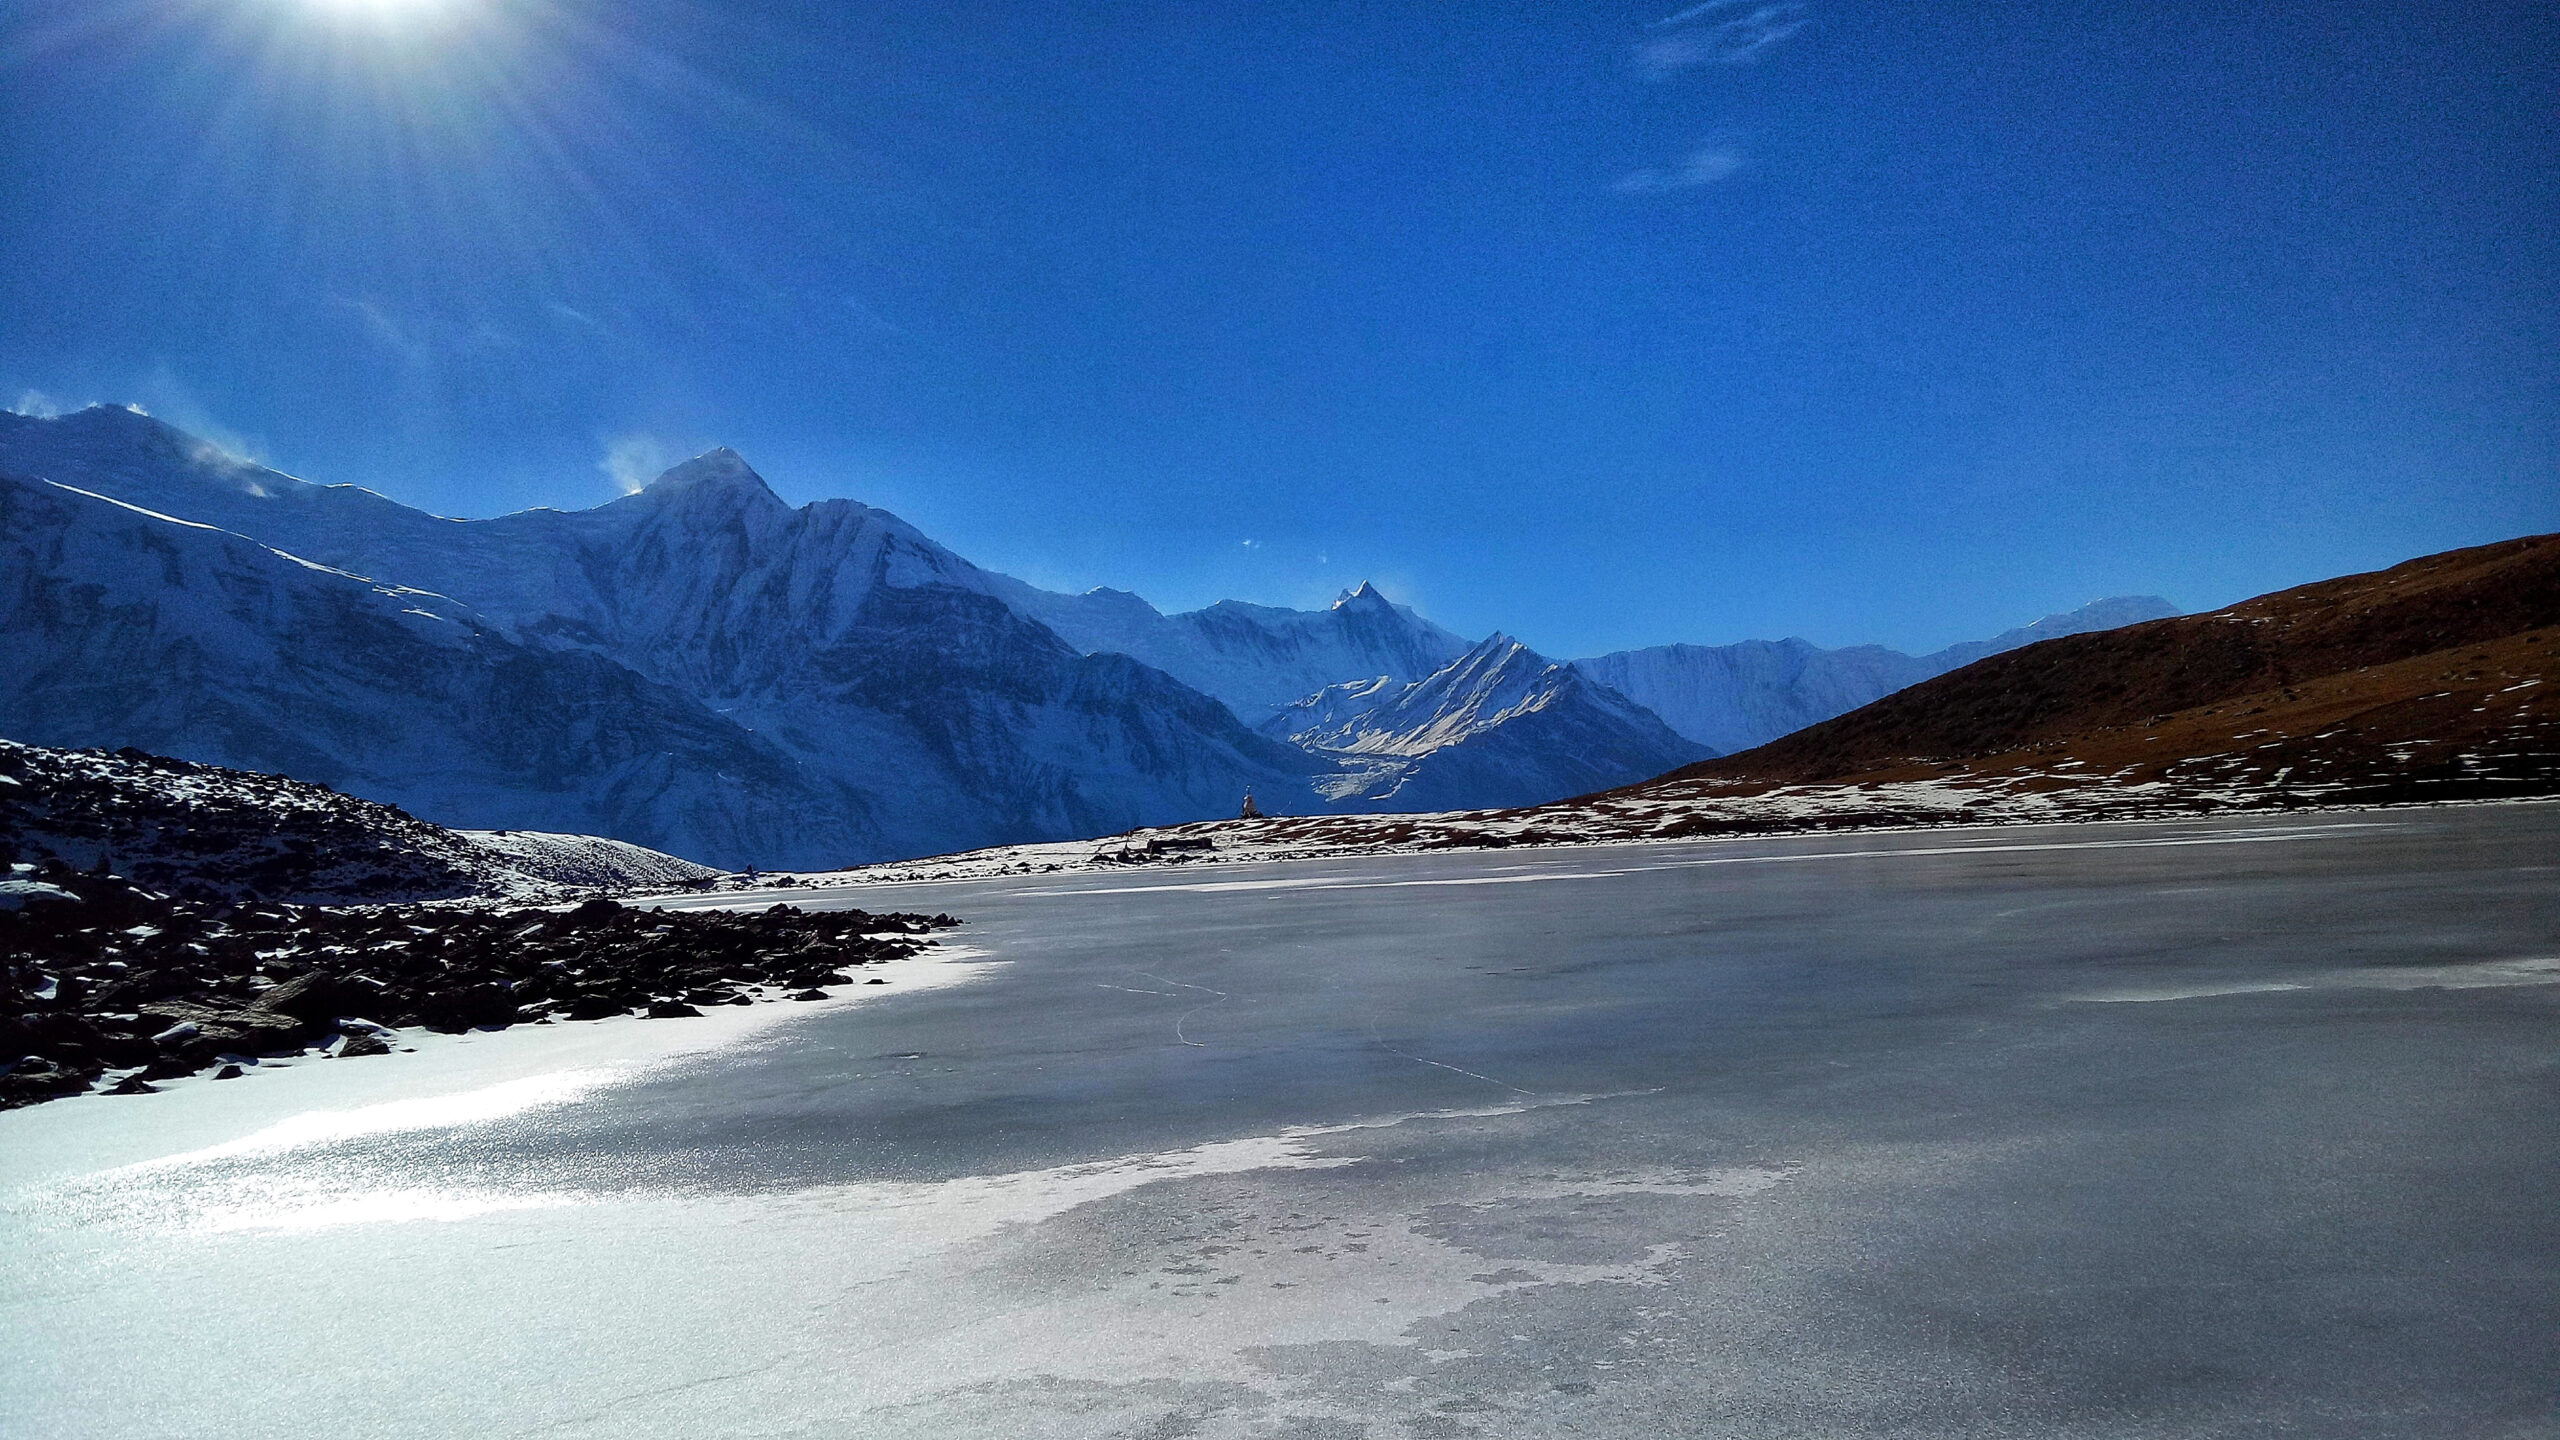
[
  {"x": 123, "y": 627},
  {"x": 2445, "y": 651},
  {"x": 1501, "y": 725},
  {"x": 1257, "y": 658}
]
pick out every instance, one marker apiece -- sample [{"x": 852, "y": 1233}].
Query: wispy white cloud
[
  {"x": 632, "y": 461},
  {"x": 1705, "y": 165},
  {"x": 1719, "y": 32},
  {"x": 37, "y": 404},
  {"x": 562, "y": 310},
  {"x": 421, "y": 341},
  {"x": 389, "y": 333},
  {"x": 173, "y": 400}
]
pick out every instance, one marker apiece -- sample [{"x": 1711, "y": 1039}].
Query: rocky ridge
[{"x": 206, "y": 833}]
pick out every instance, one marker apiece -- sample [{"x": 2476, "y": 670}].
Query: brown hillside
[{"x": 2374, "y": 652}]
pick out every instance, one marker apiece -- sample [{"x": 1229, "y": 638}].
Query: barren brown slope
[{"x": 2063, "y": 695}]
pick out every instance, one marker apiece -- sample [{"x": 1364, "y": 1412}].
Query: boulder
[
  {"x": 467, "y": 1006},
  {"x": 224, "y": 1027},
  {"x": 315, "y": 998}
]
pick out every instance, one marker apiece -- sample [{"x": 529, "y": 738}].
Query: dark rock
[
  {"x": 131, "y": 1085},
  {"x": 671, "y": 1010},
  {"x": 810, "y": 995},
  {"x": 360, "y": 1045},
  {"x": 36, "y": 1078},
  {"x": 485, "y": 1002},
  {"x": 227, "y": 1072},
  {"x": 315, "y": 998},
  {"x": 227, "y": 1027}
]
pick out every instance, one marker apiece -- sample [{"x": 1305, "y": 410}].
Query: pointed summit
[
  {"x": 720, "y": 471},
  {"x": 1364, "y": 595}
]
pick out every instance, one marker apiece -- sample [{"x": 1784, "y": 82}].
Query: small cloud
[
  {"x": 1253, "y": 544},
  {"x": 632, "y": 461},
  {"x": 36, "y": 405},
  {"x": 1712, "y": 34},
  {"x": 1705, "y": 165}
]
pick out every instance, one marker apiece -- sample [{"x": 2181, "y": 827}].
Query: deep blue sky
[{"x": 1855, "y": 319}]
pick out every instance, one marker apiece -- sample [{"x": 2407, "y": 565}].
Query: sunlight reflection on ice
[{"x": 439, "y": 1112}]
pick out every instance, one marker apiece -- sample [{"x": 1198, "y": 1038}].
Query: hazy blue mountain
[{"x": 1733, "y": 697}]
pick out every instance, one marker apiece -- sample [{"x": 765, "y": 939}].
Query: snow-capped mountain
[
  {"x": 841, "y": 686},
  {"x": 1256, "y": 658},
  {"x": 1734, "y": 697},
  {"x": 121, "y": 626},
  {"x": 1497, "y": 726}
]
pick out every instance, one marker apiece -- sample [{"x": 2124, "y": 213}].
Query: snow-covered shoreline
[
  {"x": 1914, "y": 806},
  {"x": 429, "y": 1080}
]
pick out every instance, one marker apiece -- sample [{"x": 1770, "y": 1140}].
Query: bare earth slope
[{"x": 2440, "y": 652}]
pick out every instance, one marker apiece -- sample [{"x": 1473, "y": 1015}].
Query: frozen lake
[{"x": 2202, "y": 1128}]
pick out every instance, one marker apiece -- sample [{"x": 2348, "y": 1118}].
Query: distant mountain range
[
  {"x": 1733, "y": 697},
  {"x": 1257, "y": 659},
  {"x": 2429, "y": 681},
  {"x": 703, "y": 669}
]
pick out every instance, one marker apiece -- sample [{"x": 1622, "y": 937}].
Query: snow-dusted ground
[
  {"x": 584, "y": 860},
  {"x": 1700, "y": 811},
  {"x": 177, "y": 824}
]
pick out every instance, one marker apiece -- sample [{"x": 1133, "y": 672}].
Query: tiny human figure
[{"x": 1251, "y": 811}]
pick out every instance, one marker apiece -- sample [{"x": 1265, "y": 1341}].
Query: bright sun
[{"x": 379, "y": 10}]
